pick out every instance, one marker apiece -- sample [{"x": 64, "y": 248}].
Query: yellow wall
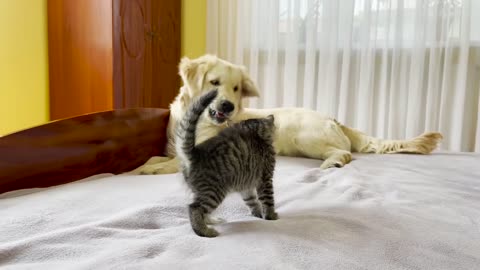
[
  {"x": 24, "y": 58},
  {"x": 23, "y": 64},
  {"x": 194, "y": 24}
]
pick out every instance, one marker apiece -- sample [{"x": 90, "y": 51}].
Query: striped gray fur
[{"x": 241, "y": 158}]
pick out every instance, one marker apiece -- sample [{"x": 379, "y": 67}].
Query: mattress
[{"x": 378, "y": 212}]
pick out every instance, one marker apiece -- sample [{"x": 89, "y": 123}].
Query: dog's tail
[
  {"x": 362, "y": 143},
  {"x": 186, "y": 131}
]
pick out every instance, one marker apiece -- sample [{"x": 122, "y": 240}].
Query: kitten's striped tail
[{"x": 186, "y": 131}]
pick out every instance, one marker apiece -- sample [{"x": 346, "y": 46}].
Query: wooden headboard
[{"x": 71, "y": 149}]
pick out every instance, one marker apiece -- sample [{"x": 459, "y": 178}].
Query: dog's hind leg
[
  {"x": 329, "y": 144},
  {"x": 336, "y": 158},
  {"x": 332, "y": 156}
]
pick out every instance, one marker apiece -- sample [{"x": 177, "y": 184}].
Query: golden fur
[{"x": 300, "y": 132}]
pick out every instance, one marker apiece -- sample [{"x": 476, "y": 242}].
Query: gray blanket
[{"x": 379, "y": 212}]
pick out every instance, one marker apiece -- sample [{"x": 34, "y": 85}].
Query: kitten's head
[{"x": 264, "y": 127}]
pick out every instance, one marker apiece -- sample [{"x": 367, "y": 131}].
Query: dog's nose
[{"x": 226, "y": 106}]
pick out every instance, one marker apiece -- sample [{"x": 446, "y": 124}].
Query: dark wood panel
[
  {"x": 132, "y": 61},
  {"x": 72, "y": 149},
  {"x": 80, "y": 57},
  {"x": 166, "y": 20},
  {"x": 146, "y": 52}
]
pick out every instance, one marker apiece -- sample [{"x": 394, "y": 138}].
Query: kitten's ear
[{"x": 271, "y": 118}]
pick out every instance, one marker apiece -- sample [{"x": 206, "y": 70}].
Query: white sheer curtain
[{"x": 391, "y": 68}]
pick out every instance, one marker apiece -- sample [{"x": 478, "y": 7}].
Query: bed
[{"x": 72, "y": 198}]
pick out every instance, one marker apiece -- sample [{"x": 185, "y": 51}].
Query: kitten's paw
[
  {"x": 209, "y": 233},
  {"x": 214, "y": 220},
  {"x": 271, "y": 216},
  {"x": 159, "y": 168},
  {"x": 257, "y": 213}
]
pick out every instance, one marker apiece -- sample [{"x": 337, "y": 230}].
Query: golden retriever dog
[{"x": 300, "y": 132}]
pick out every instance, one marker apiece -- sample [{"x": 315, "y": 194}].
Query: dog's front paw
[{"x": 159, "y": 168}]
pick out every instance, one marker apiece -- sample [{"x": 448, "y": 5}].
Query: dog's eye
[
  {"x": 235, "y": 88},
  {"x": 215, "y": 82}
]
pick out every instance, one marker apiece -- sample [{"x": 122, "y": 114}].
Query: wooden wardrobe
[{"x": 112, "y": 54}]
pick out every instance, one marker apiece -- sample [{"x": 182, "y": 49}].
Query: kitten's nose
[{"x": 226, "y": 106}]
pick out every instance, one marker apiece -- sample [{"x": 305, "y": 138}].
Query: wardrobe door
[
  {"x": 132, "y": 62},
  {"x": 146, "y": 45},
  {"x": 166, "y": 44},
  {"x": 80, "y": 57}
]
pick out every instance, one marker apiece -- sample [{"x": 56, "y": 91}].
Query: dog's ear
[
  {"x": 249, "y": 89},
  {"x": 187, "y": 69},
  {"x": 193, "y": 72}
]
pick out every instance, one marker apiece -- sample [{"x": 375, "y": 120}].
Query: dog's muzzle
[
  {"x": 222, "y": 111},
  {"x": 218, "y": 116}
]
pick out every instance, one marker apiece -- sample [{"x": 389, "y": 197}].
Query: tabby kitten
[{"x": 240, "y": 158}]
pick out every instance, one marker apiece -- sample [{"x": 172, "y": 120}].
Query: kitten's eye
[
  {"x": 215, "y": 82},
  {"x": 235, "y": 88}
]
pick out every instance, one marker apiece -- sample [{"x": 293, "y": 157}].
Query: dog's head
[{"x": 210, "y": 72}]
